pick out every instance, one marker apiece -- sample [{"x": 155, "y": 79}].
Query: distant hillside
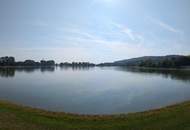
[{"x": 154, "y": 61}]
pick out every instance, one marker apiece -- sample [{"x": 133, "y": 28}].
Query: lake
[{"x": 94, "y": 90}]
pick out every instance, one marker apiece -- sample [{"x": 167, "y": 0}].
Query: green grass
[{"x": 16, "y": 117}]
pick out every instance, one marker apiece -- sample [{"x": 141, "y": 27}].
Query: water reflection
[
  {"x": 176, "y": 74},
  {"x": 76, "y": 68},
  {"x": 47, "y": 69},
  {"x": 7, "y": 72},
  {"x": 94, "y": 90},
  {"x": 10, "y": 72}
]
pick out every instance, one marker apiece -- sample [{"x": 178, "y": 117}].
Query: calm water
[{"x": 108, "y": 90}]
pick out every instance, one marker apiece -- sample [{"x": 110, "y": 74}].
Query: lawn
[{"x": 17, "y": 117}]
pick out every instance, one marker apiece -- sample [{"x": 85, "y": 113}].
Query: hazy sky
[{"x": 93, "y": 30}]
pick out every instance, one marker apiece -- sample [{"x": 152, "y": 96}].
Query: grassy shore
[{"x": 16, "y": 117}]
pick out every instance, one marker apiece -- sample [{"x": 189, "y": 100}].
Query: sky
[{"x": 93, "y": 30}]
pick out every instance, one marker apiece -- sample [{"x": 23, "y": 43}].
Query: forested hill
[{"x": 153, "y": 61}]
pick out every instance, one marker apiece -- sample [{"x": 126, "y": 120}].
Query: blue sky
[{"x": 93, "y": 30}]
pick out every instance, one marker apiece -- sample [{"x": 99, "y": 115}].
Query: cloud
[
  {"x": 75, "y": 43},
  {"x": 82, "y": 34},
  {"x": 165, "y": 26},
  {"x": 115, "y": 47},
  {"x": 106, "y": 44},
  {"x": 129, "y": 32}
]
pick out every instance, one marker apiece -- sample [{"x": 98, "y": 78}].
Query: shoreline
[
  {"x": 137, "y": 67},
  {"x": 89, "y": 115},
  {"x": 14, "y": 116}
]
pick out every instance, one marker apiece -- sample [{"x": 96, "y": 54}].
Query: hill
[{"x": 154, "y": 61}]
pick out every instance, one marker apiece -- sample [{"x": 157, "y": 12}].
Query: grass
[{"x": 16, "y": 117}]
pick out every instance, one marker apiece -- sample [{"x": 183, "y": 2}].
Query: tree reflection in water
[
  {"x": 10, "y": 72},
  {"x": 177, "y": 74}
]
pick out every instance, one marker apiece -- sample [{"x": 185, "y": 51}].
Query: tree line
[
  {"x": 166, "y": 63},
  {"x": 10, "y": 61},
  {"x": 170, "y": 61},
  {"x": 157, "y": 62},
  {"x": 82, "y": 64}
]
